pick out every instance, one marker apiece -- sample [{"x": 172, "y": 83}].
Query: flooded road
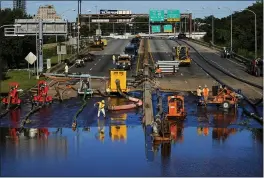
[{"x": 209, "y": 142}]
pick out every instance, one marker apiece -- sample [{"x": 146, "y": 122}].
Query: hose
[
  {"x": 137, "y": 102},
  {"x": 74, "y": 123},
  {"x": 253, "y": 115}
]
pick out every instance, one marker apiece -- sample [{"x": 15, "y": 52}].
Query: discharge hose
[{"x": 74, "y": 124}]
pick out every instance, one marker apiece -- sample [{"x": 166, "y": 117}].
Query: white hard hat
[
  {"x": 200, "y": 86},
  {"x": 205, "y": 86}
]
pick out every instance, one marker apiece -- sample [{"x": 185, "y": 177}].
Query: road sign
[
  {"x": 31, "y": 58},
  {"x": 61, "y": 49},
  {"x": 156, "y": 15},
  {"x": 167, "y": 28},
  {"x": 48, "y": 64},
  {"x": 173, "y": 15},
  {"x": 155, "y": 28}
]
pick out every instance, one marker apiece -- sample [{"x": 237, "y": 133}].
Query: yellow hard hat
[{"x": 103, "y": 101}]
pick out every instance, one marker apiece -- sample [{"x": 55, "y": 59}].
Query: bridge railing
[{"x": 219, "y": 48}]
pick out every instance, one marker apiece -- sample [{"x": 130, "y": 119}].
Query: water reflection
[
  {"x": 177, "y": 129},
  {"x": 34, "y": 142},
  {"x": 118, "y": 128}
]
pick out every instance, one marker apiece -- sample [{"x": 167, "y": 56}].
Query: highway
[
  {"x": 103, "y": 59},
  {"x": 250, "y": 91}
]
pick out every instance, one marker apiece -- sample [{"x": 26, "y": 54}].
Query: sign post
[{"x": 30, "y": 58}]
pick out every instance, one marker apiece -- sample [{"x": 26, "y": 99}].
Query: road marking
[
  {"x": 253, "y": 89},
  {"x": 231, "y": 60}
]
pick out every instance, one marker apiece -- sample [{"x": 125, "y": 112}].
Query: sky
[{"x": 196, "y": 7}]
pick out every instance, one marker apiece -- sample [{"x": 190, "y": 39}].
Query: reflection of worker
[
  {"x": 113, "y": 59},
  {"x": 199, "y": 94},
  {"x": 205, "y": 93},
  {"x": 101, "y": 108},
  {"x": 66, "y": 69}
]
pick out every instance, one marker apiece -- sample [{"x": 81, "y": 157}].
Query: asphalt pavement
[{"x": 103, "y": 59}]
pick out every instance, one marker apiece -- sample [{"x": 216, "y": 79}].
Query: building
[
  {"x": 47, "y": 12},
  {"x": 19, "y": 4}
]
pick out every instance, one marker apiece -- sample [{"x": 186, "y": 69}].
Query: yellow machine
[
  {"x": 117, "y": 75},
  {"x": 104, "y": 41},
  {"x": 182, "y": 55},
  {"x": 97, "y": 44}
]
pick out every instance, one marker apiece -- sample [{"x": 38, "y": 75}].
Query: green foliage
[
  {"x": 13, "y": 50},
  {"x": 243, "y": 31}
]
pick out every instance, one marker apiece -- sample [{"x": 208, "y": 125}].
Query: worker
[
  {"x": 205, "y": 93},
  {"x": 199, "y": 94},
  {"x": 113, "y": 59},
  {"x": 66, "y": 69},
  {"x": 158, "y": 71},
  {"x": 101, "y": 108}
]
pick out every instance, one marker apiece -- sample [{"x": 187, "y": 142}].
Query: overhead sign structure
[
  {"x": 156, "y": 15},
  {"x": 167, "y": 28},
  {"x": 31, "y": 58},
  {"x": 155, "y": 28},
  {"x": 173, "y": 15}
]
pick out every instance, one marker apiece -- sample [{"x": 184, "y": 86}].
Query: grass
[{"x": 21, "y": 77}]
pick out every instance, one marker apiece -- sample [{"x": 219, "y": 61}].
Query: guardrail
[
  {"x": 168, "y": 66},
  {"x": 219, "y": 48}
]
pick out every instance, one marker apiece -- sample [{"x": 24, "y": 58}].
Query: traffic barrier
[{"x": 168, "y": 66}]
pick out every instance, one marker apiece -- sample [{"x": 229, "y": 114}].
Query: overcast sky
[{"x": 138, "y": 6}]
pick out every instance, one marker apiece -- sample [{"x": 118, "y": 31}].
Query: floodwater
[{"x": 209, "y": 142}]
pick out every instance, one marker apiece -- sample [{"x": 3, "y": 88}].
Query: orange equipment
[
  {"x": 41, "y": 96},
  {"x": 176, "y": 107},
  {"x": 177, "y": 132},
  {"x": 13, "y": 97},
  {"x": 224, "y": 97}
]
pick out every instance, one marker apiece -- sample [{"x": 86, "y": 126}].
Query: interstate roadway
[{"x": 103, "y": 59}]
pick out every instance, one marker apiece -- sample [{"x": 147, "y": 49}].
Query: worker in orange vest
[
  {"x": 158, "y": 71},
  {"x": 205, "y": 93}
]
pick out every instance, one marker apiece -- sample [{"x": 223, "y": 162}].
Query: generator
[
  {"x": 117, "y": 74},
  {"x": 176, "y": 107}
]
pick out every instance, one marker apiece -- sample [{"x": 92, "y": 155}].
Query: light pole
[
  {"x": 212, "y": 24},
  {"x": 89, "y": 19},
  {"x": 255, "y": 30},
  {"x": 231, "y": 28}
]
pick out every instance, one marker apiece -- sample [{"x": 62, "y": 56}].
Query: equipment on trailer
[
  {"x": 42, "y": 94},
  {"x": 117, "y": 74},
  {"x": 98, "y": 44},
  {"x": 176, "y": 107},
  {"x": 123, "y": 62},
  {"x": 181, "y": 54},
  {"x": 223, "y": 97},
  {"x": 13, "y": 95},
  {"x": 85, "y": 85},
  {"x": 161, "y": 130},
  {"x": 79, "y": 63},
  {"x": 255, "y": 67},
  {"x": 226, "y": 53}
]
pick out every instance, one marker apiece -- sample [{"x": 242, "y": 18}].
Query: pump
[{"x": 42, "y": 95}]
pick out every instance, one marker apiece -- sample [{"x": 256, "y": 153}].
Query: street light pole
[
  {"x": 231, "y": 30},
  {"x": 256, "y": 47}
]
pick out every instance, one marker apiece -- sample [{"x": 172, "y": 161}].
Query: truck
[
  {"x": 124, "y": 62},
  {"x": 131, "y": 50}
]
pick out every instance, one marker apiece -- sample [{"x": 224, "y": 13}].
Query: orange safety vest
[
  {"x": 205, "y": 91},
  {"x": 158, "y": 71}
]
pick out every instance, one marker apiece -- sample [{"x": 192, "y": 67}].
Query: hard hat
[
  {"x": 103, "y": 101},
  {"x": 205, "y": 86},
  {"x": 200, "y": 86}
]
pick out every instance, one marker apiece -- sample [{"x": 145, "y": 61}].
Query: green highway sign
[
  {"x": 167, "y": 28},
  {"x": 155, "y": 28},
  {"x": 173, "y": 15},
  {"x": 156, "y": 15}
]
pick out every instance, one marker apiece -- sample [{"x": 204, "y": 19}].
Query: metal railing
[
  {"x": 168, "y": 66},
  {"x": 219, "y": 48}
]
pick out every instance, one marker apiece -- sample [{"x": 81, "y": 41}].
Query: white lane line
[{"x": 254, "y": 89}]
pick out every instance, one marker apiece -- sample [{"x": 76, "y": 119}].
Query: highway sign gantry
[
  {"x": 156, "y": 15},
  {"x": 173, "y": 15}
]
